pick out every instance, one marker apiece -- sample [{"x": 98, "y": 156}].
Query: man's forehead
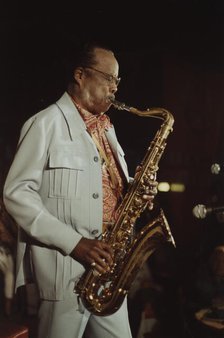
[{"x": 105, "y": 57}]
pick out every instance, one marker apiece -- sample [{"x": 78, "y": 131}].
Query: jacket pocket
[{"x": 66, "y": 174}]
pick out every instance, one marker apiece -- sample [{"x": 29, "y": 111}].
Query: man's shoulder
[
  {"x": 44, "y": 119},
  {"x": 51, "y": 112}
]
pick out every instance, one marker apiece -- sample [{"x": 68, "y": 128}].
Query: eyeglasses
[{"x": 110, "y": 78}]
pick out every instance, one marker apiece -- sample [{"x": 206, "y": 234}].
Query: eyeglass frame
[{"x": 108, "y": 77}]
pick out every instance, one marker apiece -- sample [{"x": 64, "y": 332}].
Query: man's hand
[
  {"x": 151, "y": 188},
  {"x": 150, "y": 193},
  {"x": 94, "y": 253}
]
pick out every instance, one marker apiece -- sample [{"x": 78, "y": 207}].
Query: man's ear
[{"x": 78, "y": 74}]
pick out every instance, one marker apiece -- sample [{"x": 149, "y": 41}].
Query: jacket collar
[
  {"x": 77, "y": 126},
  {"x": 75, "y": 123}
]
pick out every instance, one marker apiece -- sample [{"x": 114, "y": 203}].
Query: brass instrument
[{"x": 103, "y": 294}]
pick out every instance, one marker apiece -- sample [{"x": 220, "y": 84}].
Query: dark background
[{"x": 171, "y": 55}]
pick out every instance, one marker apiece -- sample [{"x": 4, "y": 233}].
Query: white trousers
[{"x": 68, "y": 319}]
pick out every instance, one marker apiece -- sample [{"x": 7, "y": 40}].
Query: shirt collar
[{"x": 99, "y": 121}]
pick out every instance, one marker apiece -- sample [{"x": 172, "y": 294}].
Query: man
[{"x": 67, "y": 179}]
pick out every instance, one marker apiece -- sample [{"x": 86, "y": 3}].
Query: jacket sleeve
[{"x": 20, "y": 193}]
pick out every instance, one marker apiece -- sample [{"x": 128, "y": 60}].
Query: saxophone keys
[
  {"x": 138, "y": 201},
  {"x": 152, "y": 177},
  {"x": 147, "y": 190}
]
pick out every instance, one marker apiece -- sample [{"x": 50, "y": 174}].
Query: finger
[
  {"x": 150, "y": 206},
  {"x": 151, "y": 187},
  {"x": 148, "y": 198},
  {"x": 153, "y": 183},
  {"x": 105, "y": 249},
  {"x": 93, "y": 264},
  {"x": 100, "y": 266},
  {"x": 150, "y": 192},
  {"x": 99, "y": 269},
  {"x": 108, "y": 249},
  {"x": 138, "y": 168},
  {"x": 103, "y": 258},
  {"x": 153, "y": 191}
]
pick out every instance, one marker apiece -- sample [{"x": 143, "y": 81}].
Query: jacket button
[
  {"x": 95, "y": 232},
  {"x": 96, "y": 159},
  {"x": 95, "y": 195}
]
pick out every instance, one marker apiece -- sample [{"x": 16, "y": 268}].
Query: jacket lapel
[
  {"x": 75, "y": 123},
  {"x": 117, "y": 150},
  {"x": 76, "y": 126}
]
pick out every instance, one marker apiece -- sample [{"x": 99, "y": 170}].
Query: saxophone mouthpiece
[{"x": 118, "y": 105}]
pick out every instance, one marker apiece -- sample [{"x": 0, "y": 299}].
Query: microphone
[
  {"x": 201, "y": 211},
  {"x": 215, "y": 168}
]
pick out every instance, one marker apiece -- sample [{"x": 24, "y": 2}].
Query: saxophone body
[{"x": 103, "y": 294}]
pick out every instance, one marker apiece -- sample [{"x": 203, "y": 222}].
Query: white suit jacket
[{"x": 54, "y": 192}]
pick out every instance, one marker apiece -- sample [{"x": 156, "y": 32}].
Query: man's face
[{"x": 100, "y": 82}]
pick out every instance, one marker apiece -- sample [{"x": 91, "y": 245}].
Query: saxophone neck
[
  {"x": 159, "y": 113},
  {"x": 119, "y": 105}
]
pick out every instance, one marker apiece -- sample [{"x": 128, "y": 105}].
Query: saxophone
[{"x": 103, "y": 294}]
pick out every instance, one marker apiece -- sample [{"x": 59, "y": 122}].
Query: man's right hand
[{"x": 95, "y": 253}]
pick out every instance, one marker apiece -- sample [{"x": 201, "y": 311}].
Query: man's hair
[{"x": 85, "y": 57}]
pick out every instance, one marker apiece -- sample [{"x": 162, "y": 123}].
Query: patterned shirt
[{"x": 112, "y": 193}]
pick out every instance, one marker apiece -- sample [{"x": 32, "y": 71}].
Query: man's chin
[{"x": 105, "y": 107}]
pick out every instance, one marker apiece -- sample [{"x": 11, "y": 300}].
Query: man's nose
[{"x": 113, "y": 88}]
